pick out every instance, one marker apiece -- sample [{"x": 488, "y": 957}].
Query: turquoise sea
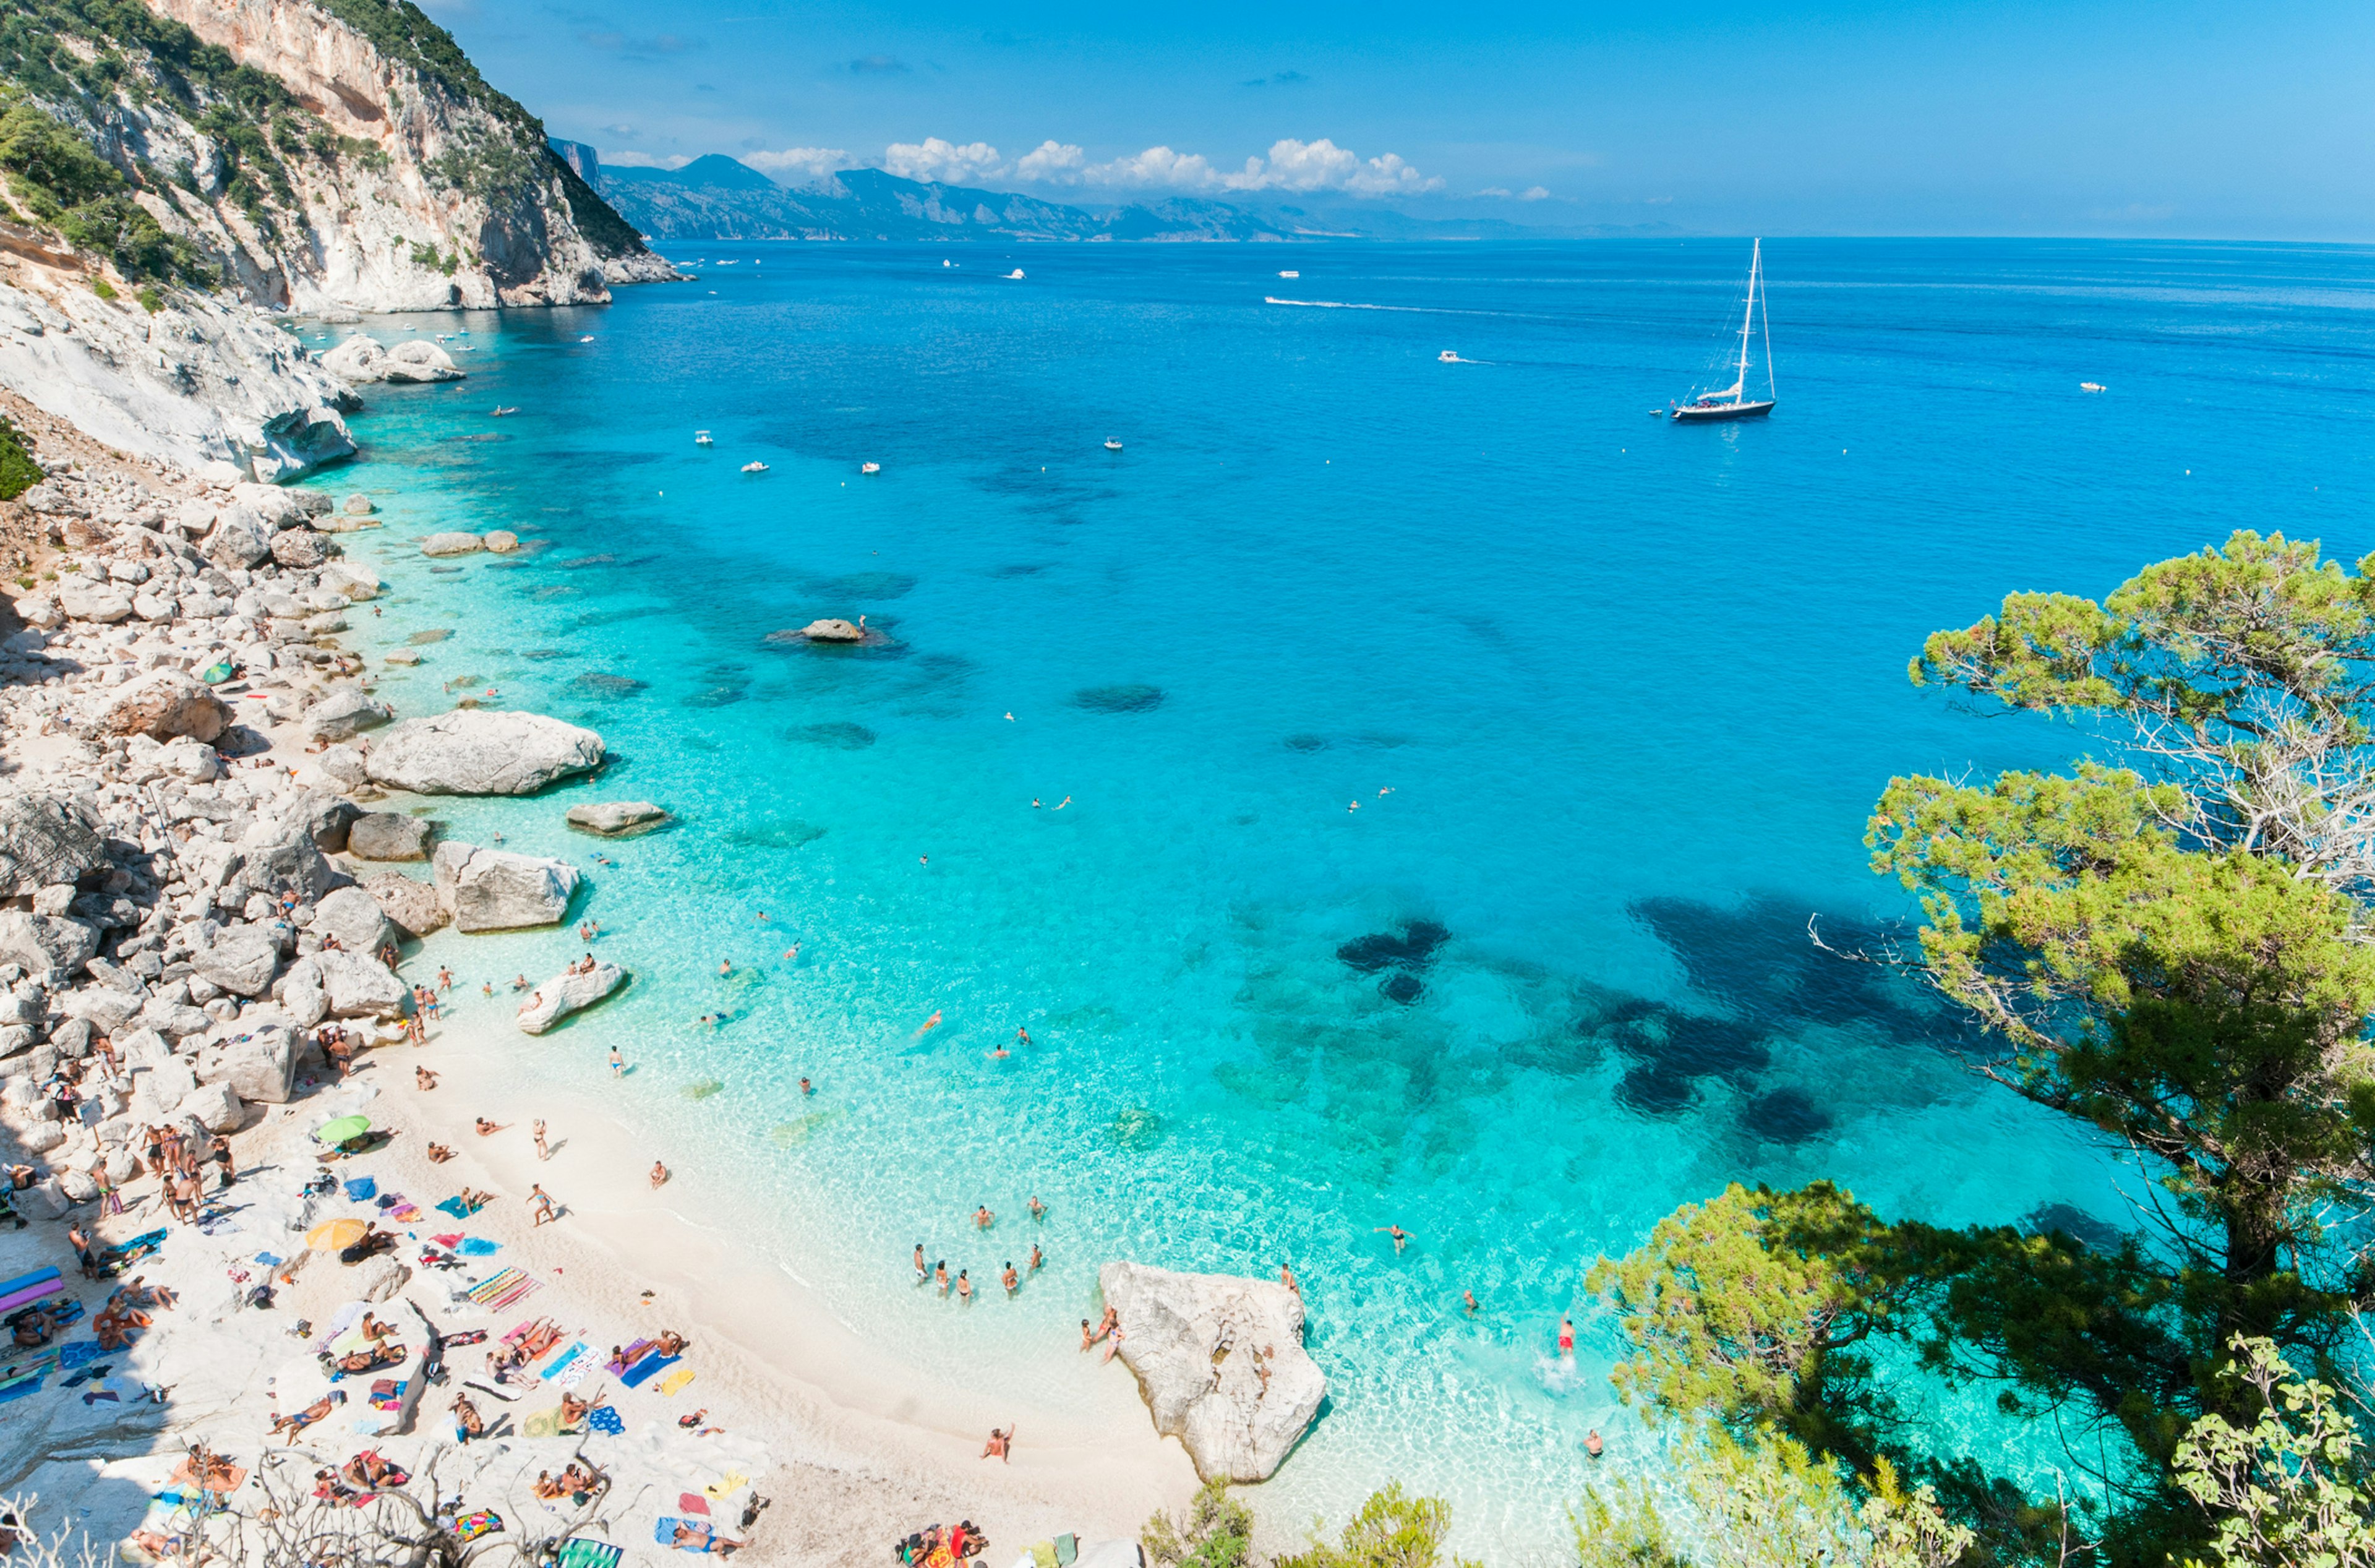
[{"x": 1613, "y": 698}]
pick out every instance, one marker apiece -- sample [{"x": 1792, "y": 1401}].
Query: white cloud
[
  {"x": 1292, "y": 165},
  {"x": 815, "y": 162},
  {"x": 644, "y": 160},
  {"x": 1051, "y": 162},
  {"x": 935, "y": 159},
  {"x": 1534, "y": 194}
]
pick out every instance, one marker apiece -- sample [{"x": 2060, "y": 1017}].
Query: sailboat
[{"x": 1733, "y": 402}]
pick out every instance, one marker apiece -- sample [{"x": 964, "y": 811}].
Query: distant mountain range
[{"x": 718, "y": 197}]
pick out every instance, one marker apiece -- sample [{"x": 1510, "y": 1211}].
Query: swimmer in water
[
  {"x": 1400, "y": 1236},
  {"x": 1470, "y": 1297},
  {"x": 1567, "y": 1337},
  {"x": 930, "y": 1024}
]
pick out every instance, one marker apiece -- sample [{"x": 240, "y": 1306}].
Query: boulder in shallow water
[
  {"x": 566, "y": 994},
  {"x": 501, "y": 541},
  {"x": 475, "y": 751},
  {"x": 452, "y": 544},
  {"x": 388, "y": 835},
  {"x": 614, "y": 818},
  {"x": 1199, "y": 1343},
  {"x": 493, "y": 890},
  {"x": 832, "y": 630},
  {"x": 357, "y": 505}
]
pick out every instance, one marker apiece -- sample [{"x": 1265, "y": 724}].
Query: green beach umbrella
[{"x": 344, "y": 1128}]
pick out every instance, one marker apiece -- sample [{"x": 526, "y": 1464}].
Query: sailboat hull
[{"x": 1702, "y": 414}]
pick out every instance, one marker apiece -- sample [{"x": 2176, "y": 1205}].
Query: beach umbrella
[
  {"x": 345, "y": 1127},
  {"x": 336, "y": 1235}
]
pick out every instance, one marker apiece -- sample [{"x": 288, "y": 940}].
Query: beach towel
[
  {"x": 580, "y": 1552},
  {"x": 386, "y": 1394},
  {"x": 541, "y": 1423},
  {"x": 577, "y": 1374},
  {"x": 479, "y": 1246},
  {"x": 675, "y": 1380},
  {"x": 267, "y": 1260},
  {"x": 12, "y": 1392},
  {"x": 664, "y": 1531},
  {"x": 502, "y": 1288},
  {"x": 693, "y": 1502},
  {"x": 648, "y": 1369},
  {"x": 449, "y": 1241},
  {"x": 728, "y": 1484},
  {"x": 470, "y": 1527},
  {"x": 561, "y": 1363},
  {"x": 631, "y": 1355},
  {"x": 346, "y": 1317},
  {"x": 607, "y": 1421},
  {"x": 78, "y": 1354},
  {"x": 10, "y": 1287},
  {"x": 454, "y": 1206},
  {"x": 362, "y": 1189}
]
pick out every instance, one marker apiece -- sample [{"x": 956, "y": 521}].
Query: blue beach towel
[
  {"x": 642, "y": 1372},
  {"x": 362, "y": 1189},
  {"x": 479, "y": 1246},
  {"x": 561, "y": 1363},
  {"x": 607, "y": 1421},
  {"x": 454, "y": 1206},
  {"x": 78, "y": 1354},
  {"x": 17, "y": 1390}
]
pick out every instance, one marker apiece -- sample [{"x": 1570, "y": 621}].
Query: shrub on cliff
[
  {"x": 18, "y": 472},
  {"x": 63, "y": 183}
]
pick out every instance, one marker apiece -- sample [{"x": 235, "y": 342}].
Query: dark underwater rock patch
[
  {"x": 1131, "y": 698},
  {"x": 434, "y": 634},
  {"x": 1402, "y": 987},
  {"x": 611, "y": 686},
  {"x": 1306, "y": 743},
  {"x": 1412, "y": 947},
  {"x": 835, "y": 736},
  {"x": 868, "y": 585},
  {"x": 1785, "y": 1115}
]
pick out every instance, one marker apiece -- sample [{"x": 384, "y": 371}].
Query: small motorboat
[
  {"x": 1449, "y": 357},
  {"x": 945, "y": 261},
  {"x": 869, "y": 468},
  {"x": 754, "y": 467},
  {"x": 587, "y": 338},
  {"x": 1289, "y": 274},
  {"x": 1016, "y": 274},
  {"x": 1113, "y": 445},
  {"x": 700, "y": 438},
  {"x": 500, "y": 412},
  {"x": 2091, "y": 386}
]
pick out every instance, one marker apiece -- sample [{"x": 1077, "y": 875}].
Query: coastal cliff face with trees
[
  {"x": 172, "y": 172},
  {"x": 2170, "y": 943},
  {"x": 310, "y": 153}
]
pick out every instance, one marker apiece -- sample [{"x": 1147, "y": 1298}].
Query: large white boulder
[
  {"x": 85, "y": 600},
  {"x": 615, "y": 819},
  {"x": 238, "y": 961},
  {"x": 354, "y": 917},
  {"x": 258, "y": 1062},
  {"x": 350, "y": 986},
  {"x": 164, "y": 704},
  {"x": 345, "y": 713},
  {"x": 240, "y": 538},
  {"x": 44, "y": 942},
  {"x": 413, "y": 907},
  {"x": 420, "y": 361},
  {"x": 566, "y": 994},
  {"x": 363, "y": 359},
  {"x": 1199, "y": 1344},
  {"x": 214, "y": 1106},
  {"x": 452, "y": 544},
  {"x": 475, "y": 751},
  {"x": 493, "y": 890},
  {"x": 388, "y": 835}
]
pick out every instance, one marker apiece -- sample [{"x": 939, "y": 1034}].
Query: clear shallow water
[{"x": 1633, "y": 688}]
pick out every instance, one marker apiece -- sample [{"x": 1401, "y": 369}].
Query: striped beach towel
[{"x": 504, "y": 1289}]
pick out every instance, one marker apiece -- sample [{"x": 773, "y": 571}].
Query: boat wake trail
[{"x": 1398, "y": 310}]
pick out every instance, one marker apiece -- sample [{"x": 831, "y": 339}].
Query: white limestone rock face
[
  {"x": 351, "y": 986},
  {"x": 103, "y": 602},
  {"x": 214, "y": 1106},
  {"x": 380, "y": 1279},
  {"x": 566, "y": 994},
  {"x": 388, "y": 835},
  {"x": 475, "y": 751},
  {"x": 1197, "y": 1342},
  {"x": 45, "y": 842},
  {"x": 493, "y": 890}
]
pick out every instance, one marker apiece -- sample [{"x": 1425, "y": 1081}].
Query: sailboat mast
[{"x": 1748, "y": 317}]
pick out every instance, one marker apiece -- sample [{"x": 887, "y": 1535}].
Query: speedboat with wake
[{"x": 1733, "y": 402}]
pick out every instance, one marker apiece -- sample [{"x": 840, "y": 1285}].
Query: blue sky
[{"x": 2112, "y": 117}]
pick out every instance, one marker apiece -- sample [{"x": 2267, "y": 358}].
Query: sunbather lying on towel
[
  {"x": 289, "y": 1426},
  {"x": 371, "y": 1473},
  {"x": 690, "y": 1536},
  {"x": 539, "y": 1338},
  {"x": 358, "y": 1362},
  {"x": 32, "y": 1329},
  {"x": 115, "y": 1327}
]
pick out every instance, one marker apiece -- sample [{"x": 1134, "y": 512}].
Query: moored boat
[{"x": 1733, "y": 402}]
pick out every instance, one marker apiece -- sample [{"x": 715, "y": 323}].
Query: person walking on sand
[
  {"x": 541, "y": 1202},
  {"x": 542, "y": 1151},
  {"x": 1000, "y": 1446}
]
